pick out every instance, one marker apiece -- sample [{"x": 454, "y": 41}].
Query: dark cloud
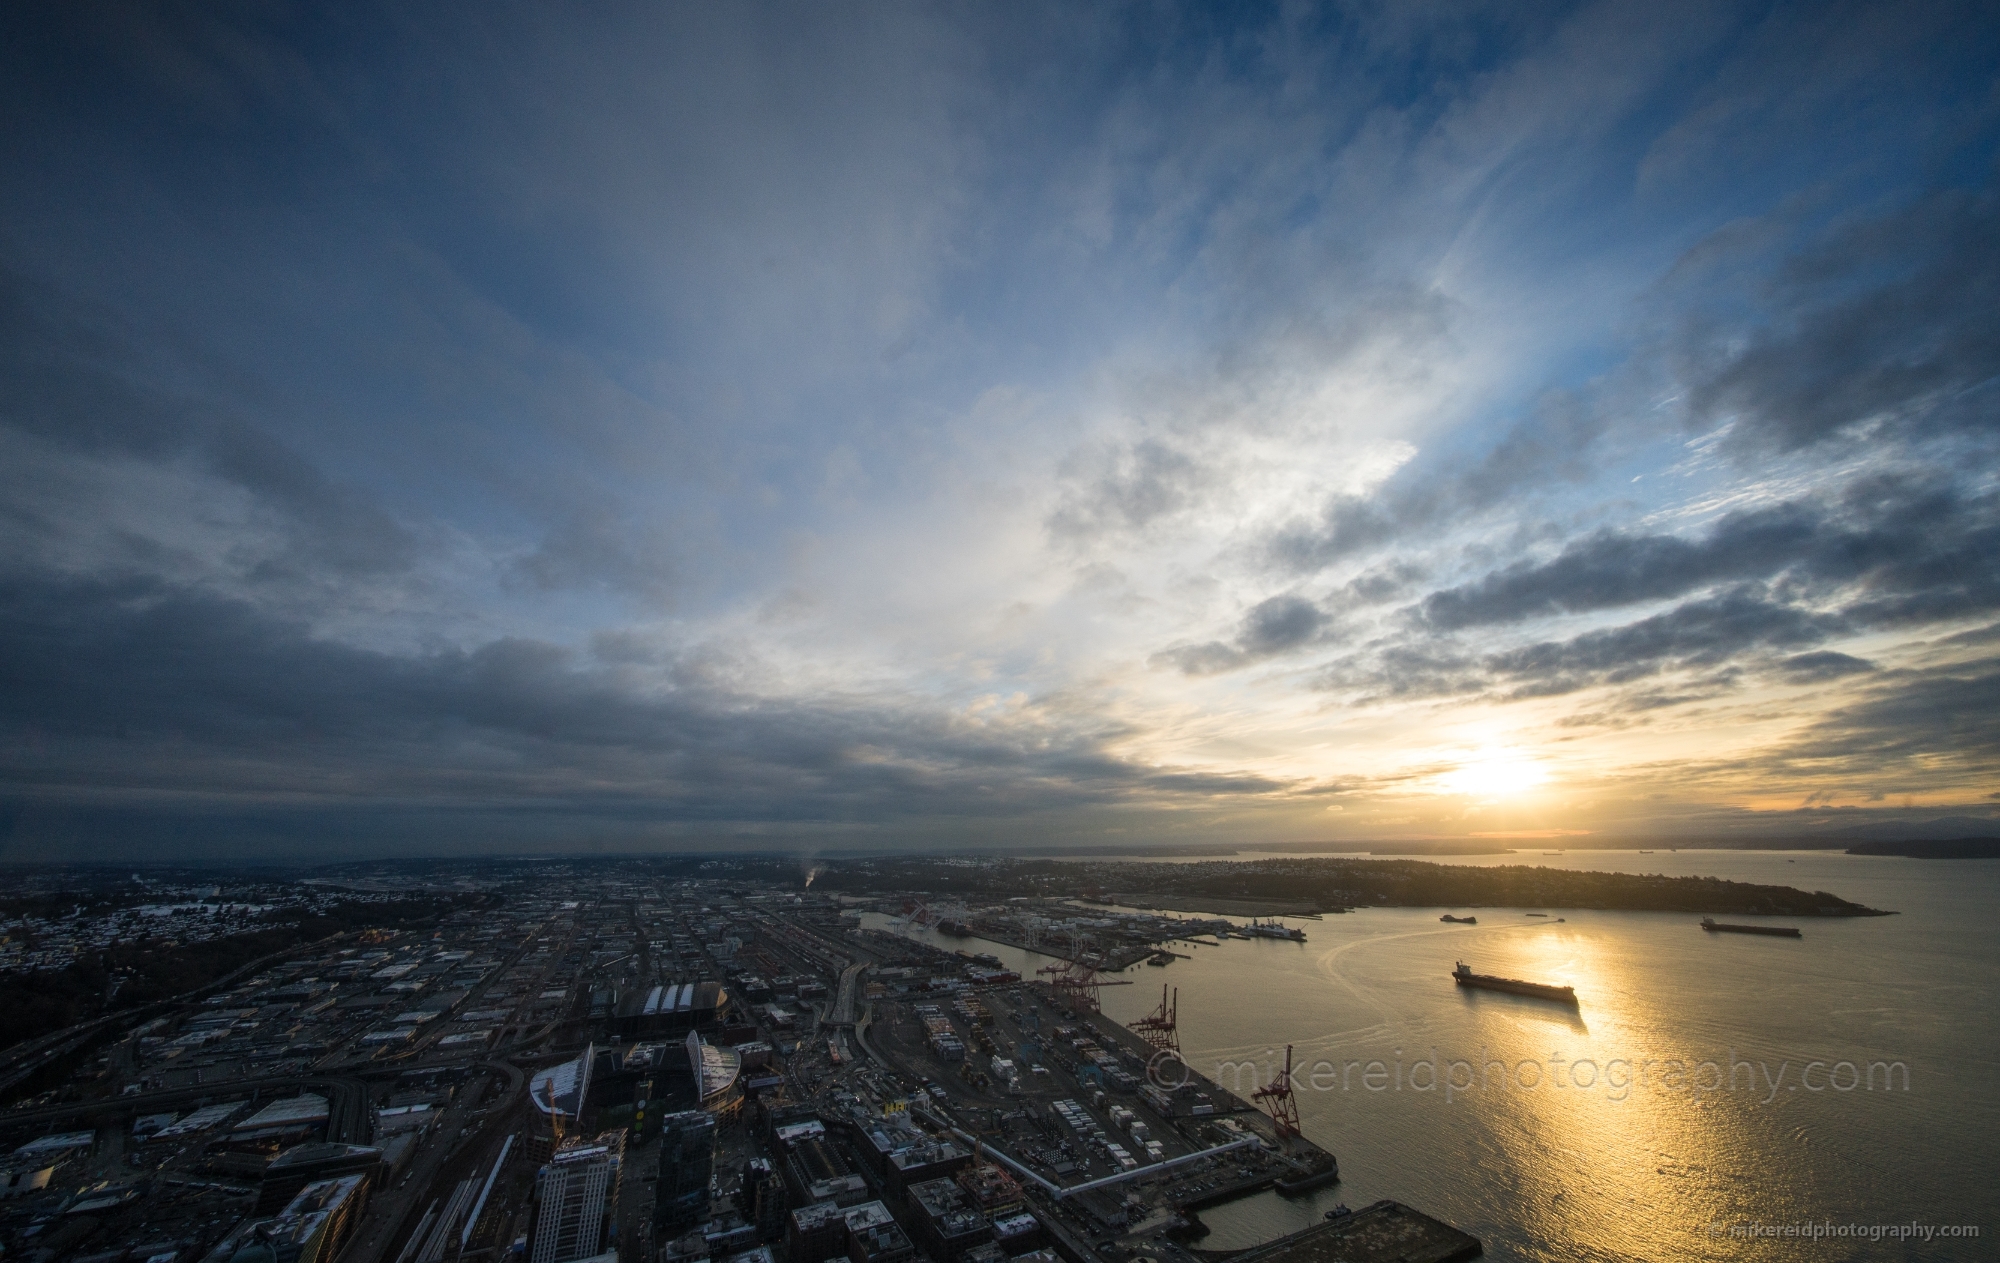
[
  {"x": 1555, "y": 445},
  {"x": 1274, "y": 626},
  {"x": 1812, "y": 668},
  {"x": 1886, "y": 549},
  {"x": 1351, "y": 524},
  {"x": 597, "y": 547},
  {"x": 1703, "y": 637},
  {"x": 1143, "y": 483},
  {"x": 1877, "y": 332},
  {"x": 1404, "y": 671},
  {"x": 1281, "y": 623},
  {"x": 1700, "y": 634},
  {"x": 78, "y": 383},
  {"x": 1610, "y": 569},
  {"x": 1934, "y": 726},
  {"x": 1211, "y": 658},
  {"x": 1884, "y": 328},
  {"x": 1902, "y": 548},
  {"x": 70, "y": 376},
  {"x": 134, "y": 692}
]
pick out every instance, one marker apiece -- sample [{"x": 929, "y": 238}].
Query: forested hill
[
  {"x": 1324, "y": 884},
  {"x": 1414, "y": 883}
]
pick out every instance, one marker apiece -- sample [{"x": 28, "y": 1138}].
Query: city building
[
  {"x": 814, "y": 1170},
  {"x": 307, "y": 1164},
  {"x": 993, "y": 1192},
  {"x": 815, "y": 1233},
  {"x": 559, "y": 1094},
  {"x": 311, "y": 1228},
  {"x": 687, "y": 1169},
  {"x": 761, "y": 1198},
  {"x": 944, "y": 1221},
  {"x": 873, "y": 1236},
  {"x": 716, "y": 1071},
  {"x": 671, "y": 1009},
  {"x": 919, "y": 1163},
  {"x": 285, "y": 1119},
  {"x": 578, "y": 1196}
]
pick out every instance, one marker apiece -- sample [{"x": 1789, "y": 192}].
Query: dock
[{"x": 1116, "y": 1151}]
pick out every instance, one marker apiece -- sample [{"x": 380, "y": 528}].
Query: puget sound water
[{"x": 1713, "y": 1096}]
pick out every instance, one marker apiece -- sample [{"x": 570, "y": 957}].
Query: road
[
  {"x": 846, "y": 1005},
  {"x": 444, "y": 1158}
]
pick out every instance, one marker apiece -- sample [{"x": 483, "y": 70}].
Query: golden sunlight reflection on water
[
  {"x": 1686, "y": 1110},
  {"x": 1566, "y": 1133},
  {"x": 1540, "y": 1165}
]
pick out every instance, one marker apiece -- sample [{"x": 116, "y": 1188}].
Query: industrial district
[{"x": 623, "y": 1068}]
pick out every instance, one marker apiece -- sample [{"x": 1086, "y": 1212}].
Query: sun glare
[{"x": 1494, "y": 774}]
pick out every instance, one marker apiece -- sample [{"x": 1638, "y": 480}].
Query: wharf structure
[{"x": 1107, "y": 1127}]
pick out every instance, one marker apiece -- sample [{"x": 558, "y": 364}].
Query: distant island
[
  {"x": 1309, "y": 885},
  {"x": 1951, "y": 849},
  {"x": 1341, "y": 883}
]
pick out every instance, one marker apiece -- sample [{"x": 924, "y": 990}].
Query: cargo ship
[
  {"x": 1459, "y": 920},
  {"x": 1309, "y": 1176},
  {"x": 1776, "y": 931},
  {"x": 1464, "y": 977},
  {"x": 1272, "y": 929}
]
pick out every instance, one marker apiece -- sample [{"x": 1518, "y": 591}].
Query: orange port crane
[
  {"x": 1075, "y": 981},
  {"x": 1276, "y": 1097},
  {"x": 1161, "y": 1027}
]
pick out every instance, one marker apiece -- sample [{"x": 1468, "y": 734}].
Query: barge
[{"x": 1775, "y": 931}]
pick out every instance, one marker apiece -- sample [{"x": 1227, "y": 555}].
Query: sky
[{"x": 497, "y": 428}]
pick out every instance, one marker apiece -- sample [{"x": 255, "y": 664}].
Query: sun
[{"x": 1494, "y": 774}]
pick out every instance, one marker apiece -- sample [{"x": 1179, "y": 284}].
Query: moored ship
[
  {"x": 1464, "y": 977},
  {"x": 1776, "y": 931},
  {"x": 1272, "y": 929}
]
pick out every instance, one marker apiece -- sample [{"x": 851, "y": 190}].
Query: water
[{"x": 1541, "y": 1165}]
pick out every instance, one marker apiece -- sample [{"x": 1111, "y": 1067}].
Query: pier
[{"x": 1384, "y": 1232}]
